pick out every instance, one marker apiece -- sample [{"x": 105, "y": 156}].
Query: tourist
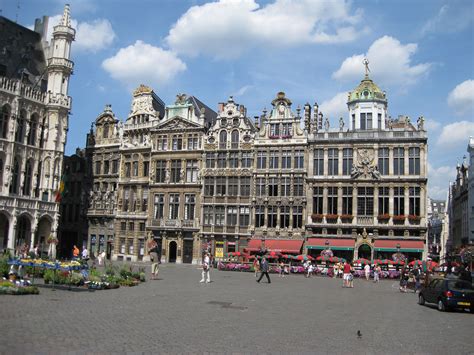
[
  {"x": 282, "y": 269},
  {"x": 417, "y": 277},
  {"x": 206, "y": 277},
  {"x": 403, "y": 281},
  {"x": 345, "y": 276},
  {"x": 256, "y": 266},
  {"x": 36, "y": 250},
  {"x": 335, "y": 268},
  {"x": 377, "y": 271},
  {"x": 367, "y": 271},
  {"x": 153, "y": 252},
  {"x": 310, "y": 270},
  {"x": 75, "y": 252},
  {"x": 85, "y": 254},
  {"x": 264, "y": 270}
]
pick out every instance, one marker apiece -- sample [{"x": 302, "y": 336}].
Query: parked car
[{"x": 448, "y": 294}]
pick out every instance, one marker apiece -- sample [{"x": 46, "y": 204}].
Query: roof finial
[
  {"x": 366, "y": 64},
  {"x": 66, "y": 19}
]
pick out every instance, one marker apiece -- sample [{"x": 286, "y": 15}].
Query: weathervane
[{"x": 366, "y": 64}]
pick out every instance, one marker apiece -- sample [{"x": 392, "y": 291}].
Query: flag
[{"x": 62, "y": 189}]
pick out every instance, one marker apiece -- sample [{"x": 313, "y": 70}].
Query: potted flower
[
  {"x": 398, "y": 218},
  {"x": 414, "y": 218},
  {"x": 317, "y": 217},
  {"x": 347, "y": 218},
  {"x": 331, "y": 218},
  {"x": 383, "y": 217}
]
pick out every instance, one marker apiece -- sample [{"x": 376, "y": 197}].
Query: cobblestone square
[{"x": 233, "y": 313}]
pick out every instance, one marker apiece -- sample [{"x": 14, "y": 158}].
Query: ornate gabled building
[
  {"x": 367, "y": 184},
  {"x": 279, "y": 175},
  {"x": 227, "y": 171},
  {"x": 101, "y": 187},
  {"x": 34, "y": 114}
]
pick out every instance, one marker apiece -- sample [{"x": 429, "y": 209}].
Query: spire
[{"x": 66, "y": 19}]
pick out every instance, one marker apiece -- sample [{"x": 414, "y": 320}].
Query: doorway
[
  {"x": 173, "y": 246},
  {"x": 365, "y": 252},
  {"x": 188, "y": 252}
]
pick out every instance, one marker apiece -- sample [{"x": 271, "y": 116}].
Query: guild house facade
[{"x": 194, "y": 179}]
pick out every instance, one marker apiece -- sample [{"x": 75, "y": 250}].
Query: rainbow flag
[{"x": 62, "y": 189}]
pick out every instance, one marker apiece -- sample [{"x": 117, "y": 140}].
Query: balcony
[
  {"x": 173, "y": 223},
  {"x": 365, "y": 220}
]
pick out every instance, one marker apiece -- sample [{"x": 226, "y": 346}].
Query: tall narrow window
[
  {"x": 274, "y": 130},
  {"x": 259, "y": 216},
  {"x": 414, "y": 161},
  {"x": 4, "y": 117},
  {"x": 297, "y": 216},
  {"x": 174, "y": 206},
  {"x": 332, "y": 200},
  {"x": 15, "y": 177},
  {"x": 244, "y": 216},
  {"x": 105, "y": 132},
  {"x": 347, "y": 161},
  {"x": 260, "y": 186},
  {"x": 286, "y": 159},
  {"x": 318, "y": 162},
  {"x": 285, "y": 217},
  {"x": 233, "y": 160},
  {"x": 221, "y": 185},
  {"x": 219, "y": 215},
  {"x": 221, "y": 160},
  {"x": 209, "y": 183},
  {"x": 28, "y": 176},
  {"x": 160, "y": 175},
  {"x": 146, "y": 168},
  {"x": 145, "y": 200},
  {"x": 379, "y": 121},
  {"x": 261, "y": 160},
  {"x": 398, "y": 161},
  {"x": 286, "y": 186},
  {"x": 273, "y": 187},
  {"x": 245, "y": 186},
  {"x": 1, "y": 173},
  {"x": 106, "y": 166},
  {"x": 383, "y": 161},
  {"x": 232, "y": 215},
  {"x": 210, "y": 160},
  {"x": 272, "y": 216},
  {"x": 298, "y": 188},
  {"x": 273, "y": 160},
  {"x": 365, "y": 201},
  {"x": 208, "y": 215},
  {"x": 128, "y": 170},
  {"x": 162, "y": 143},
  {"x": 233, "y": 186},
  {"x": 126, "y": 198},
  {"x": 190, "y": 203},
  {"x": 177, "y": 142},
  {"x": 247, "y": 159},
  {"x": 347, "y": 201},
  {"x": 299, "y": 159},
  {"x": 33, "y": 129},
  {"x": 318, "y": 200},
  {"x": 135, "y": 168},
  {"x": 20, "y": 127},
  {"x": 384, "y": 201},
  {"x": 366, "y": 121},
  {"x": 235, "y": 139},
  {"x": 223, "y": 140},
  {"x": 399, "y": 201},
  {"x": 175, "y": 170},
  {"x": 414, "y": 201},
  {"x": 333, "y": 161},
  {"x": 191, "y": 170}
]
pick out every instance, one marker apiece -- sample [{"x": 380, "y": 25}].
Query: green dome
[{"x": 367, "y": 91}]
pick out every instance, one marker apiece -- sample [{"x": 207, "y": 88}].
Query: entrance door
[
  {"x": 365, "y": 252},
  {"x": 172, "y": 252},
  {"x": 188, "y": 252}
]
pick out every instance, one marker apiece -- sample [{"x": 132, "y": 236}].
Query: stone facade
[
  {"x": 193, "y": 179},
  {"x": 34, "y": 106}
]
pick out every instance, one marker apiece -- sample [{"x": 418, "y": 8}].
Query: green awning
[
  {"x": 402, "y": 250},
  {"x": 324, "y": 247}
]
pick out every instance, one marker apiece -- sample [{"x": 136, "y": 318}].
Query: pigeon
[{"x": 359, "y": 334}]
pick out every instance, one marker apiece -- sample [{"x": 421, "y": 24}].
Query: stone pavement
[{"x": 232, "y": 314}]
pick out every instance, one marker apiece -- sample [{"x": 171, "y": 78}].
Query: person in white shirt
[
  {"x": 85, "y": 254},
  {"x": 367, "y": 271},
  {"x": 206, "y": 277}
]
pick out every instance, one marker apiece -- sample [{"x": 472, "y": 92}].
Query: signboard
[{"x": 219, "y": 250}]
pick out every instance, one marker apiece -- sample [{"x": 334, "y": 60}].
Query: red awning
[
  {"x": 407, "y": 245},
  {"x": 334, "y": 243},
  {"x": 284, "y": 246}
]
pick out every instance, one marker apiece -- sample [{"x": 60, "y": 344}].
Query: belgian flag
[{"x": 62, "y": 189}]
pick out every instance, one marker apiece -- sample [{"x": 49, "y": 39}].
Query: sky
[{"x": 421, "y": 52}]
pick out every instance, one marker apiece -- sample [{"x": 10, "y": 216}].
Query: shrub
[
  {"x": 142, "y": 277},
  {"x": 110, "y": 269},
  {"x": 4, "y": 267},
  {"x": 125, "y": 272}
]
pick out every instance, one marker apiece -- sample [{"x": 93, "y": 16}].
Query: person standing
[
  {"x": 153, "y": 251},
  {"x": 282, "y": 269},
  {"x": 75, "y": 252},
  {"x": 264, "y": 270},
  {"x": 256, "y": 266},
  {"x": 85, "y": 254},
  {"x": 377, "y": 272},
  {"x": 346, "y": 274},
  {"x": 367, "y": 271},
  {"x": 206, "y": 277},
  {"x": 417, "y": 276}
]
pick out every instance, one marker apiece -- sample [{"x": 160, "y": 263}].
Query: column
[
  {"x": 407, "y": 200},
  {"x": 354, "y": 201},
  {"x": 179, "y": 248},
  {"x": 339, "y": 161},
  {"x": 310, "y": 161},
  {"x": 376, "y": 201},
  {"x": 325, "y": 162},
  {"x": 423, "y": 204},
  {"x": 339, "y": 199},
  {"x": 309, "y": 202},
  {"x": 423, "y": 164},
  {"x": 390, "y": 200},
  {"x": 11, "y": 233},
  {"x": 325, "y": 199}
]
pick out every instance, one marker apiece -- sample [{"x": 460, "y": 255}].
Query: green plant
[
  {"x": 142, "y": 277},
  {"x": 126, "y": 282},
  {"x": 125, "y": 272},
  {"x": 36, "y": 272},
  {"x": 4, "y": 267},
  {"x": 95, "y": 272},
  {"x": 136, "y": 275},
  {"x": 110, "y": 269}
]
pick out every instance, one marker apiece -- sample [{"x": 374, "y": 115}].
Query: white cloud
[
  {"x": 227, "y": 28},
  {"x": 243, "y": 90},
  {"x": 461, "y": 98},
  {"x": 438, "y": 180},
  {"x": 143, "y": 63},
  {"x": 390, "y": 63},
  {"x": 453, "y": 17},
  {"x": 432, "y": 125},
  {"x": 335, "y": 107},
  {"x": 90, "y": 36},
  {"x": 456, "y": 135}
]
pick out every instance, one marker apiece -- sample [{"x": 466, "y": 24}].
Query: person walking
[
  {"x": 367, "y": 271},
  {"x": 206, "y": 264},
  {"x": 264, "y": 270},
  {"x": 153, "y": 252},
  {"x": 282, "y": 269},
  {"x": 75, "y": 252},
  {"x": 417, "y": 276},
  {"x": 377, "y": 272}
]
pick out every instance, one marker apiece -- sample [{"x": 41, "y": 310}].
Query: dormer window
[
  {"x": 223, "y": 139},
  {"x": 177, "y": 143},
  {"x": 366, "y": 120}
]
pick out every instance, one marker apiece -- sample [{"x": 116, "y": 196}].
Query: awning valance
[
  {"x": 279, "y": 245},
  {"x": 407, "y": 246},
  {"x": 334, "y": 243}
]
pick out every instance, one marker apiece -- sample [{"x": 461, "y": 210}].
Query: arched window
[
  {"x": 4, "y": 116},
  {"x": 43, "y": 133},
  {"x": 1, "y": 173},
  {"x": 106, "y": 131},
  {"x": 223, "y": 140},
  {"x": 28, "y": 175},
  {"x": 20, "y": 127},
  {"x": 235, "y": 139},
  {"x": 33, "y": 129},
  {"x": 15, "y": 177}
]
